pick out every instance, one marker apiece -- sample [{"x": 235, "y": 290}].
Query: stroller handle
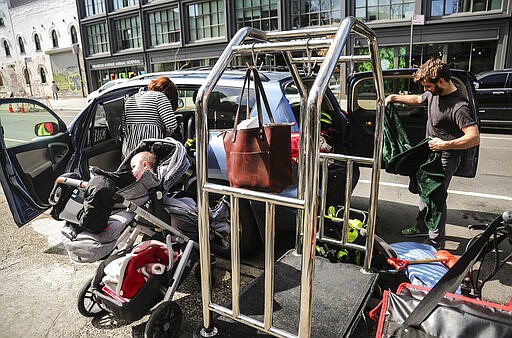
[{"x": 72, "y": 182}]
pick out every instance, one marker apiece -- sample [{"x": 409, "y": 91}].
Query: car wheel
[
  {"x": 87, "y": 305},
  {"x": 165, "y": 321}
]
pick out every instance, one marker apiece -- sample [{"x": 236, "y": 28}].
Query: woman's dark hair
[{"x": 165, "y": 85}]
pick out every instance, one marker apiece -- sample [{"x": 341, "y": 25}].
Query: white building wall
[{"x": 60, "y": 64}]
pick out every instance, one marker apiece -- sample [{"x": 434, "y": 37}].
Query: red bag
[{"x": 258, "y": 158}]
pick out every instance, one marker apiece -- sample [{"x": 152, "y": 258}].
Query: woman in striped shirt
[{"x": 150, "y": 114}]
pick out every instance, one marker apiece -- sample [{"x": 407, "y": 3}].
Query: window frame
[
  {"x": 247, "y": 6},
  {"x": 7, "y": 49},
  {"x": 301, "y": 14},
  {"x": 156, "y": 38},
  {"x": 37, "y": 42},
  {"x": 220, "y": 22},
  {"x": 135, "y": 42},
  {"x": 55, "y": 38},
  {"x": 97, "y": 41}
]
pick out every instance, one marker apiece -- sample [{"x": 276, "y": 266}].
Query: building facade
[
  {"x": 40, "y": 43},
  {"x": 123, "y": 38}
]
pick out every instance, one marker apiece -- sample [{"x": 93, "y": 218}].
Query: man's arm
[
  {"x": 413, "y": 100},
  {"x": 470, "y": 139}
]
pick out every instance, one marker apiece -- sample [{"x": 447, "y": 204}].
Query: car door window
[
  {"x": 493, "y": 81},
  {"x": 19, "y": 120},
  {"x": 222, "y": 106}
]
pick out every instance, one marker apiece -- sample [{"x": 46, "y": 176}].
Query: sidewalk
[{"x": 65, "y": 103}]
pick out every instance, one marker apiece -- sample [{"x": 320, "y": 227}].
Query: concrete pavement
[{"x": 64, "y": 102}]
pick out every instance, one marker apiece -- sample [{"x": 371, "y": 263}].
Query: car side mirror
[
  {"x": 46, "y": 129},
  {"x": 181, "y": 104}
]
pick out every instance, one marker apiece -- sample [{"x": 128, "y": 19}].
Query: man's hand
[{"x": 436, "y": 144}]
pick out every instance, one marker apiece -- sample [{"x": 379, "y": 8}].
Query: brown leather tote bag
[{"x": 258, "y": 158}]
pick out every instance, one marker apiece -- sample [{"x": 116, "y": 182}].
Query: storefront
[{"x": 106, "y": 69}]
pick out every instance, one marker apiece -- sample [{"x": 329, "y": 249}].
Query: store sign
[
  {"x": 418, "y": 19},
  {"x": 116, "y": 64}
]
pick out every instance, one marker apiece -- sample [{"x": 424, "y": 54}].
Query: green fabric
[{"x": 423, "y": 166}]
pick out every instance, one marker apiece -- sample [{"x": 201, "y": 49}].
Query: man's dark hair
[{"x": 433, "y": 70}]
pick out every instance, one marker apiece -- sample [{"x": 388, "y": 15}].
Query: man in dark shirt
[{"x": 450, "y": 125}]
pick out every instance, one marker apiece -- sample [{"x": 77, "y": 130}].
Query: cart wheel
[
  {"x": 87, "y": 306},
  {"x": 165, "y": 321}
]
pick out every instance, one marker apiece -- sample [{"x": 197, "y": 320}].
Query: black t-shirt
[{"x": 447, "y": 115}]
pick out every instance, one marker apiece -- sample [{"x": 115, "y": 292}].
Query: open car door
[{"x": 35, "y": 148}]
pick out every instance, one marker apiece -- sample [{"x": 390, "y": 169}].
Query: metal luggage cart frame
[{"x": 309, "y": 160}]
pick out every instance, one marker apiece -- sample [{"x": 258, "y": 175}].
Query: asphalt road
[{"x": 39, "y": 284}]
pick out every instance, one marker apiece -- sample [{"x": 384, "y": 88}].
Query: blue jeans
[{"x": 450, "y": 161}]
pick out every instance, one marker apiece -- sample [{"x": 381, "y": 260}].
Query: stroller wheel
[
  {"x": 165, "y": 321},
  {"x": 87, "y": 306}
]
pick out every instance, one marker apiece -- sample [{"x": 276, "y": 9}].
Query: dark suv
[{"x": 494, "y": 96}]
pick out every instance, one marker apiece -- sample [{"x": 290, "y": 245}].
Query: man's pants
[{"x": 450, "y": 164}]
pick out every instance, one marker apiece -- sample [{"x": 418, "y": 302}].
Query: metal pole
[
  {"x": 27, "y": 79},
  {"x": 410, "y": 46}
]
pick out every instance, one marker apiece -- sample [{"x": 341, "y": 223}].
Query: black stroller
[{"x": 149, "y": 272}]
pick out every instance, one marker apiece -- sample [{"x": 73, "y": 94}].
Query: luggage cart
[{"x": 300, "y": 295}]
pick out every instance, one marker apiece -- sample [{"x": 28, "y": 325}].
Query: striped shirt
[{"x": 148, "y": 114}]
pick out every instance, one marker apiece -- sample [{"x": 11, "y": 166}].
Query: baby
[{"x": 141, "y": 162}]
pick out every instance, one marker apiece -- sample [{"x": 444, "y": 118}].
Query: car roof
[
  {"x": 490, "y": 72},
  {"x": 197, "y": 78}
]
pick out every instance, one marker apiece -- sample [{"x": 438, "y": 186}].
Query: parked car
[
  {"x": 494, "y": 96},
  {"x": 100, "y": 90},
  {"x": 92, "y": 139},
  {"x": 31, "y": 159}
]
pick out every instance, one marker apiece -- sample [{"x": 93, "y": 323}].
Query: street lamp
[{"x": 76, "y": 50}]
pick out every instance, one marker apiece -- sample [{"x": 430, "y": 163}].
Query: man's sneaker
[{"x": 414, "y": 232}]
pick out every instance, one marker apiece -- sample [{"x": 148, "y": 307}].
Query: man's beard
[{"x": 436, "y": 91}]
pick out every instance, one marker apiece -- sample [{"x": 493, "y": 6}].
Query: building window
[
  {"x": 447, "y": 7},
  {"x": 7, "y": 49},
  {"x": 97, "y": 38},
  {"x": 74, "y": 35},
  {"x": 2, "y": 22},
  {"x": 22, "y": 45},
  {"x": 42, "y": 75},
  {"x": 118, "y": 4},
  {"x": 1, "y": 81},
  {"x": 127, "y": 33},
  {"x": 315, "y": 13},
  {"x": 164, "y": 27},
  {"x": 37, "y": 42},
  {"x": 93, "y": 7},
  {"x": 370, "y": 10},
  {"x": 206, "y": 20},
  {"x": 261, "y": 15},
  {"x": 55, "y": 39}
]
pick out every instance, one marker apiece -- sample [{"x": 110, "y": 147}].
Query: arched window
[
  {"x": 27, "y": 76},
  {"x": 1, "y": 81},
  {"x": 7, "y": 50},
  {"x": 42, "y": 74},
  {"x": 2, "y": 22},
  {"x": 37, "y": 42},
  {"x": 74, "y": 35},
  {"x": 22, "y": 45},
  {"x": 55, "y": 40}
]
